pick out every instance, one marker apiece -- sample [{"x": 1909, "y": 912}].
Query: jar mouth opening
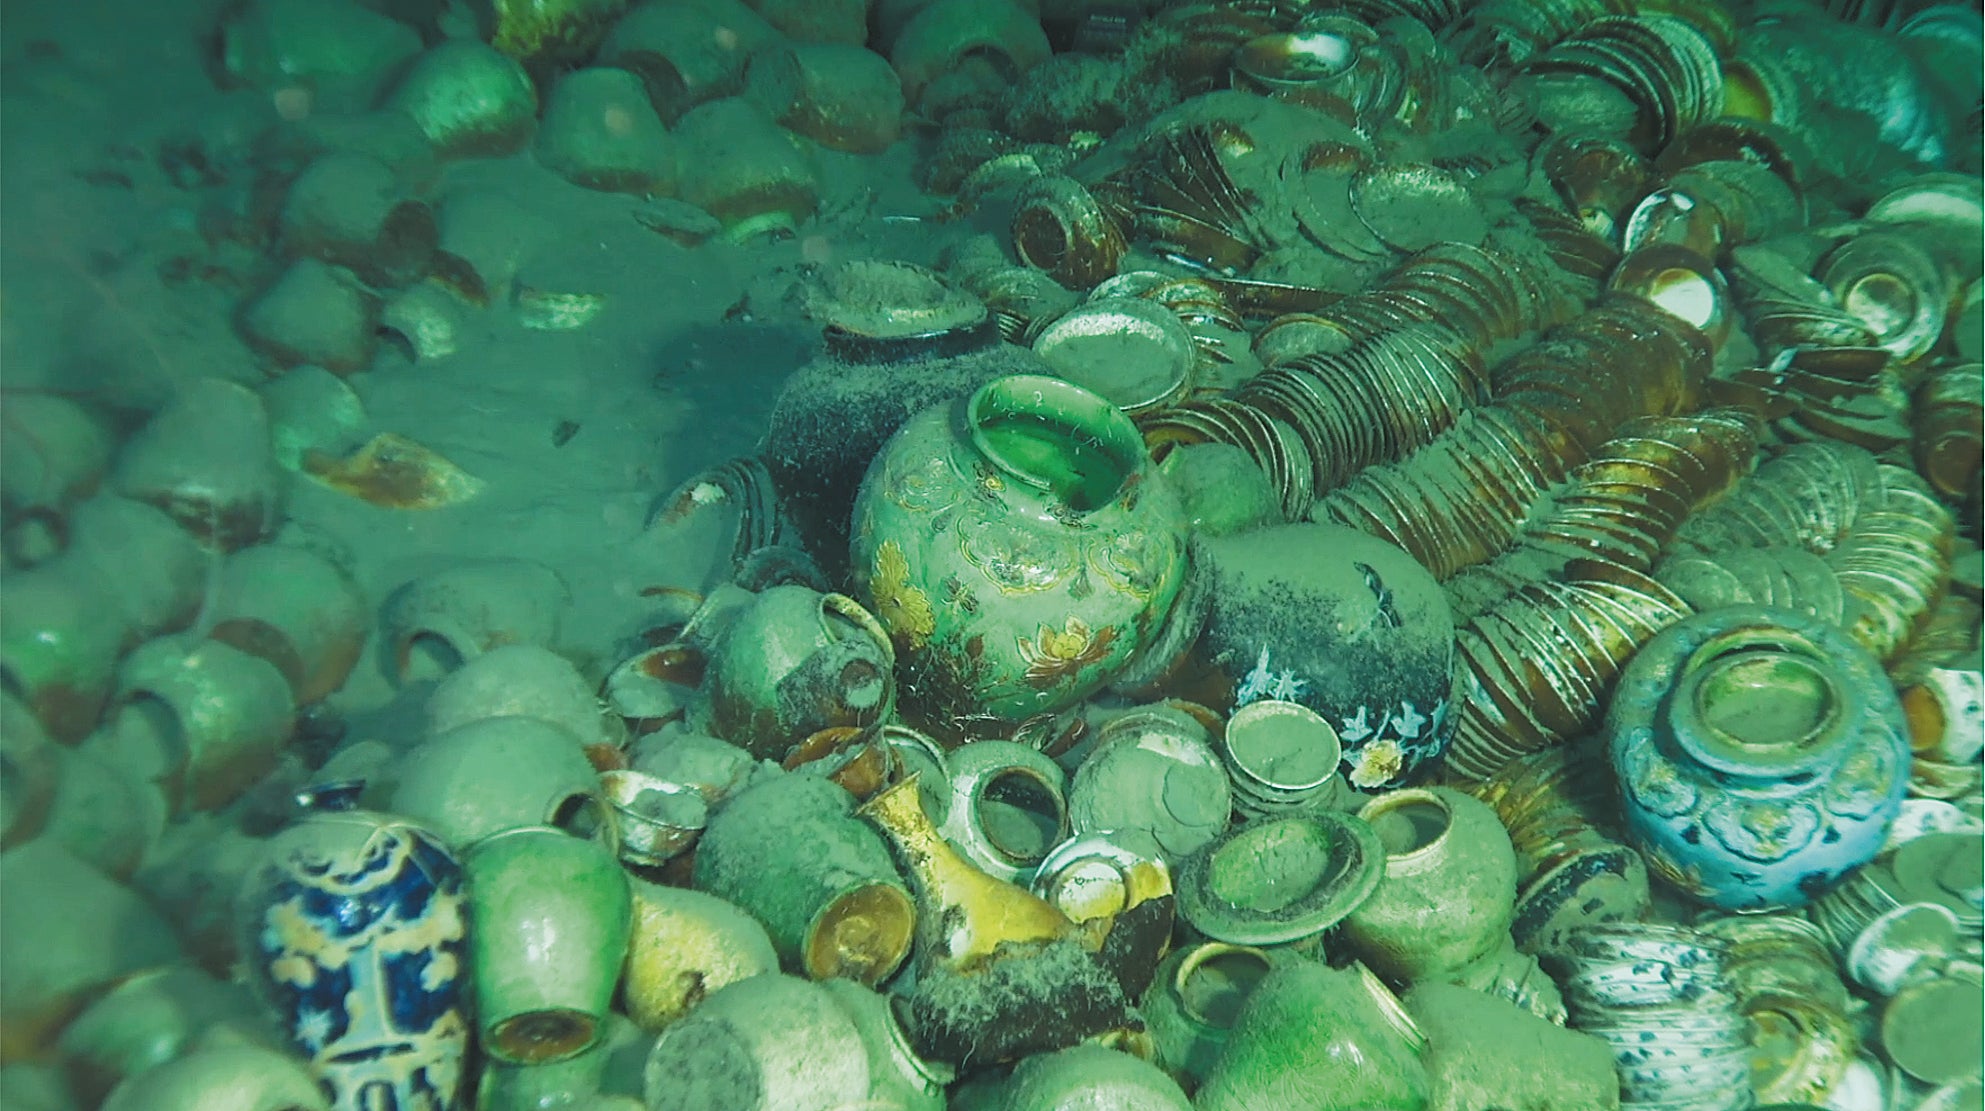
[
  {"x": 862, "y": 935},
  {"x": 541, "y": 1037},
  {"x": 1057, "y": 437},
  {"x": 1215, "y": 980},
  {"x": 1021, "y": 814},
  {"x": 1761, "y": 701},
  {"x": 1410, "y": 824}
]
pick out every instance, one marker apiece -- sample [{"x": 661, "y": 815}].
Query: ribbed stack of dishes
[
  {"x": 1281, "y": 758},
  {"x": 1662, "y": 997},
  {"x": 1623, "y": 505},
  {"x": 1825, "y": 528},
  {"x": 1481, "y": 294},
  {"x": 1275, "y": 445},
  {"x": 1667, "y": 66},
  {"x": 1504, "y": 451},
  {"x": 1803, "y": 1036},
  {"x": 1508, "y": 32},
  {"x": 1571, "y": 871},
  {"x": 1542, "y": 660},
  {"x": 1381, "y": 400}
]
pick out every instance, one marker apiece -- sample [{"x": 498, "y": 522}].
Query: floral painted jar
[
  {"x": 1020, "y": 548},
  {"x": 1761, "y": 754},
  {"x": 1345, "y": 624},
  {"x": 354, "y": 931}
]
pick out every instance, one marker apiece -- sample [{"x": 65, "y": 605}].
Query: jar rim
[
  {"x": 1814, "y": 745},
  {"x": 1056, "y": 402}
]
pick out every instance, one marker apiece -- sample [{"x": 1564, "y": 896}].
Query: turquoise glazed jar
[
  {"x": 1020, "y": 548},
  {"x": 1761, "y": 754},
  {"x": 354, "y": 929}
]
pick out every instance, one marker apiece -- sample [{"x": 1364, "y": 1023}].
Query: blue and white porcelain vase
[
  {"x": 1761, "y": 754},
  {"x": 354, "y": 931}
]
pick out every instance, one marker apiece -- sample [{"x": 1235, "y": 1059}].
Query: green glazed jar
[
  {"x": 1449, "y": 889},
  {"x": 1020, "y": 548},
  {"x": 549, "y": 919},
  {"x": 1319, "y": 1037},
  {"x": 1194, "y": 997},
  {"x": 789, "y": 851}
]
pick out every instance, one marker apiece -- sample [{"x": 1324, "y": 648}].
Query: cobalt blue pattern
[
  {"x": 1772, "y": 815},
  {"x": 355, "y": 931}
]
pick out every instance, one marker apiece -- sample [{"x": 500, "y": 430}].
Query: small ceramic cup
[
  {"x": 656, "y": 819},
  {"x": 549, "y": 920}
]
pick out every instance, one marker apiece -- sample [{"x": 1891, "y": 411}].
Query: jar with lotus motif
[{"x": 1020, "y": 549}]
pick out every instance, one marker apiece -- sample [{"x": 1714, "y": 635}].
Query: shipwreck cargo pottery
[
  {"x": 208, "y": 460},
  {"x": 72, "y": 932},
  {"x": 314, "y": 314},
  {"x": 685, "y": 944},
  {"x": 341, "y": 53},
  {"x": 1019, "y": 548},
  {"x": 549, "y": 921},
  {"x": 789, "y": 851},
  {"x": 1280, "y": 880},
  {"x": 1347, "y": 625},
  {"x": 768, "y": 1041},
  {"x": 353, "y": 929},
  {"x": 840, "y": 96},
  {"x": 1449, "y": 889},
  {"x": 158, "y": 1016},
  {"x": 470, "y": 100},
  {"x": 161, "y": 593},
  {"x": 437, "y": 622},
  {"x": 791, "y": 661},
  {"x": 296, "y": 609},
  {"x": 747, "y": 171},
  {"x": 1008, "y": 806},
  {"x": 520, "y": 680},
  {"x": 222, "y": 715},
  {"x": 238, "y": 1077},
  {"x": 601, "y": 132},
  {"x": 1310, "y": 1035},
  {"x": 1761, "y": 755},
  {"x": 58, "y": 452},
  {"x": 350, "y": 209},
  {"x": 495, "y": 774},
  {"x": 1091, "y": 1076},
  {"x": 1153, "y": 770}
]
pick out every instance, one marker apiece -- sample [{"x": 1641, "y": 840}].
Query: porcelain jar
[
  {"x": 1449, "y": 888},
  {"x": 1761, "y": 754},
  {"x": 354, "y": 930},
  {"x": 1020, "y": 548},
  {"x": 1345, "y": 624},
  {"x": 1310, "y": 1035}
]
